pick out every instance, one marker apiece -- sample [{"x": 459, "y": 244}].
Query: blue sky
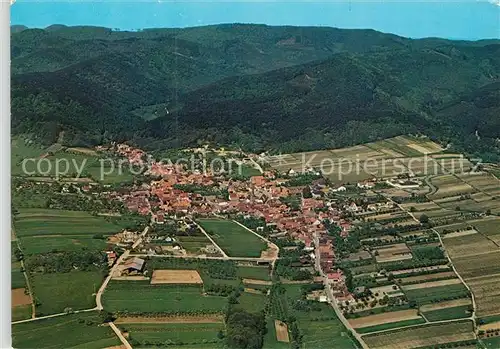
[{"x": 466, "y": 19}]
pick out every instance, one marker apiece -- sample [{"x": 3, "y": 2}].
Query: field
[
  {"x": 46, "y": 244},
  {"x": 421, "y": 336},
  {"x": 181, "y": 334},
  {"x": 193, "y": 244},
  {"x": 393, "y": 253},
  {"x": 259, "y": 273},
  {"x": 281, "y": 331},
  {"x": 176, "y": 277},
  {"x": 390, "y": 325},
  {"x": 448, "y": 313},
  {"x": 251, "y": 302},
  {"x": 320, "y": 328},
  {"x": 378, "y": 319},
  {"x": 43, "y": 222},
  {"x": 58, "y": 291},
  {"x": 271, "y": 338},
  {"x": 432, "y": 294},
  {"x": 398, "y": 155},
  {"x": 71, "y": 331},
  {"x": 140, "y": 296},
  {"x": 235, "y": 240}
]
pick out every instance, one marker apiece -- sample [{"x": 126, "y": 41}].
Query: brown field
[
  {"x": 421, "y": 336},
  {"x": 491, "y": 326},
  {"x": 432, "y": 284},
  {"x": 395, "y": 316},
  {"x": 86, "y": 151},
  {"x": 392, "y": 253},
  {"x": 478, "y": 265},
  {"x": 174, "y": 319},
  {"x": 468, "y": 245},
  {"x": 407, "y": 271},
  {"x": 486, "y": 293},
  {"x": 167, "y": 276},
  {"x": 428, "y": 277},
  {"x": 252, "y": 290},
  {"x": 446, "y": 304},
  {"x": 281, "y": 331},
  {"x": 457, "y": 234},
  {"x": 19, "y": 297},
  {"x": 256, "y": 282},
  {"x": 422, "y": 206}
]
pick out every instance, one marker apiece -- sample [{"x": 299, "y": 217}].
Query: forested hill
[{"x": 255, "y": 86}]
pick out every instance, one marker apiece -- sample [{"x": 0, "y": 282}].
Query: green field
[
  {"x": 319, "y": 326},
  {"x": 21, "y": 312},
  {"x": 491, "y": 343},
  {"x": 448, "y": 313},
  {"x": 37, "y": 222},
  {"x": 57, "y": 291},
  {"x": 390, "y": 325},
  {"x": 46, "y": 244},
  {"x": 174, "y": 333},
  {"x": 235, "y": 240},
  {"x": 270, "y": 341},
  {"x": 428, "y": 295},
  {"x": 259, "y": 273},
  {"x": 251, "y": 302},
  {"x": 194, "y": 243},
  {"x": 140, "y": 296},
  {"x": 75, "y": 331}
]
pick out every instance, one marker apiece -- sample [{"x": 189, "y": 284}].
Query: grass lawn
[
  {"x": 427, "y": 295},
  {"x": 259, "y": 273},
  {"x": 448, "y": 313},
  {"x": 76, "y": 331},
  {"x": 235, "y": 240},
  {"x": 58, "y": 291},
  {"x": 140, "y": 296},
  {"x": 390, "y": 325},
  {"x": 178, "y": 333}
]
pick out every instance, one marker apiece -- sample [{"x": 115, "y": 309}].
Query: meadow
[
  {"x": 141, "y": 297},
  {"x": 270, "y": 341},
  {"x": 235, "y": 240},
  {"x": 421, "y": 336},
  {"x": 258, "y": 273},
  {"x": 82, "y": 331},
  {"x": 38, "y": 222},
  {"x": 251, "y": 302},
  {"x": 174, "y": 333},
  {"x": 448, "y": 313},
  {"x": 57, "y": 291},
  {"x": 432, "y": 294}
]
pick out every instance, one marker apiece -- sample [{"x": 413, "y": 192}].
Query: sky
[{"x": 451, "y": 19}]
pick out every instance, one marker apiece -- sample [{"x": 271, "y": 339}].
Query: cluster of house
[{"x": 266, "y": 196}]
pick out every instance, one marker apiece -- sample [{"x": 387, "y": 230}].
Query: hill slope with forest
[{"x": 253, "y": 86}]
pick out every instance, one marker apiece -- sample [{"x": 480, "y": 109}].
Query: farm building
[{"x": 135, "y": 265}]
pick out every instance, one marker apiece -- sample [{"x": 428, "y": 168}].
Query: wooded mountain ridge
[{"x": 253, "y": 86}]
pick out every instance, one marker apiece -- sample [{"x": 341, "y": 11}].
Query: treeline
[{"x": 64, "y": 262}]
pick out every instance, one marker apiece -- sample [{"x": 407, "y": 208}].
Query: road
[
  {"x": 331, "y": 298},
  {"x": 53, "y": 315},
  {"x": 120, "y": 335},
  {"x": 244, "y": 259}
]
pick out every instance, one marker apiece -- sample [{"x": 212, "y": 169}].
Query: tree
[{"x": 424, "y": 219}]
